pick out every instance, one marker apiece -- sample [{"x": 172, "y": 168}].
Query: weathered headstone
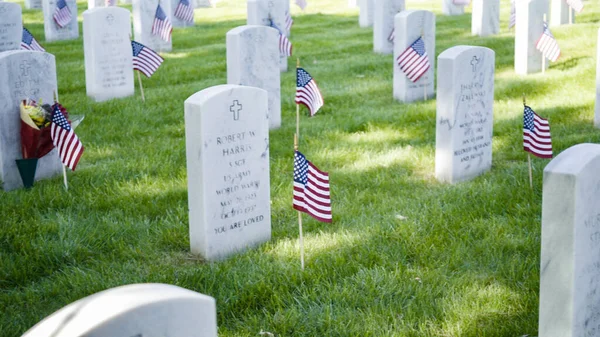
[
  {"x": 383, "y": 24},
  {"x": 227, "y": 148},
  {"x": 251, "y": 53},
  {"x": 107, "y": 50},
  {"x": 177, "y": 22},
  {"x": 144, "y": 12},
  {"x": 485, "y": 19},
  {"x": 570, "y": 252},
  {"x": 409, "y": 25},
  {"x": 597, "y": 107},
  {"x": 51, "y": 30},
  {"x": 135, "y": 310},
  {"x": 366, "y": 13},
  {"x": 26, "y": 74},
  {"x": 449, "y": 8},
  {"x": 33, "y": 4},
  {"x": 529, "y": 26},
  {"x": 559, "y": 13},
  {"x": 261, "y": 12},
  {"x": 11, "y": 26},
  {"x": 464, "y": 120}
]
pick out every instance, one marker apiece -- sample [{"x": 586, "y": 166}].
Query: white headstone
[
  {"x": 409, "y": 25},
  {"x": 96, "y": 3},
  {"x": 52, "y": 31},
  {"x": 251, "y": 53},
  {"x": 485, "y": 19},
  {"x": 26, "y": 74},
  {"x": 203, "y": 3},
  {"x": 142, "y": 310},
  {"x": 449, "y": 8},
  {"x": 352, "y": 4},
  {"x": 144, "y": 12},
  {"x": 366, "y": 13},
  {"x": 559, "y": 13},
  {"x": 108, "y": 54},
  {"x": 33, "y": 4},
  {"x": 177, "y": 22},
  {"x": 465, "y": 116},
  {"x": 227, "y": 149},
  {"x": 11, "y": 26},
  {"x": 570, "y": 254},
  {"x": 529, "y": 26},
  {"x": 383, "y": 24},
  {"x": 597, "y": 107},
  {"x": 261, "y": 12}
]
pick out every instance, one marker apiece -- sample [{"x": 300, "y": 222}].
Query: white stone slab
[
  {"x": 177, "y": 22},
  {"x": 559, "y": 13},
  {"x": 260, "y": 12},
  {"x": 449, "y": 8},
  {"x": 96, "y": 3},
  {"x": 352, "y": 4},
  {"x": 252, "y": 57},
  {"x": 26, "y": 74},
  {"x": 135, "y": 310},
  {"x": 409, "y": 25},
  {"x": 11, "y": 26},
  {"x": 33, "y": 4},
  {"x": 366, "y": 13},
  {"x": 529, "y": 26},
  {"x": 227, "y": 148},
  {"x": 485, "y": 19},
  {"x": 107, "y": 52},
  {"x": 570, "y": 252},
  {"x": 597, "y": 107},
  {"x": 203, "y": 3},
  {"x": 383, "y": 24},
  {"x": 144, "y": 12},
  {"x": 51, "y": 30},
  {"x": 464, "y": 120}
]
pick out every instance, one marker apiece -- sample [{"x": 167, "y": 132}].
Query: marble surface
[
  {"x": 29, "y": 74},
  {"x": 134, "y": 310},
  {"x": 252, "y": 58},
  {"x": 449, "y": 8},
  {"x": 465, "y": 115},
  {"x": 107, "y": 53},
  {"x": 485, "y": 19},
  {"x": 529, "y": 26},
  {"x": 11, "y": 26},
  {"x": 597, "y": 106},
  {"x": 559, "y": 13},
  {"x": 143, "y": 17},
  {"x": 227, "y": 149},
  {"x": 570, "y": 249},
  {"x": 410, "y": 24},
  {"x": 366, "y": 13},
  {"x": 96, "y": 3},
  {"x": 51, "y": 30},
  {"x": 383, "y": 24},
  {"x": 260, "y": 12},
  {"x": 177, "y": 22},
  {"x": 33, "y": 4}
]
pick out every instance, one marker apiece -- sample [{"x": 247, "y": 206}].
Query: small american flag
[
  {"x": 288, "y": 21},
  {"x": 162, "y": 25},
  {"x": 311, "y": 189},
  {"x": 414, "y": 61},
  {"x": 285, "y": 46},
  {"x": 184, "y": 11},
  {"x": 307, "y": 91},
  {"x": 145, "y": 59},
  {"x": 536, "y": 134},
  {"x": 62, "y": 14},
  {"x": 577, "y": 5},
  {"x": 110, "y": 3},
  {"x": 29, "y": 42},
  {"x": 513, "y": 17},
  {"x": 547, "y": 45},
  {"x": 301, "y": 4},
  {"x": 392, "y": 35},
  {"x": 64, "y": 139}
]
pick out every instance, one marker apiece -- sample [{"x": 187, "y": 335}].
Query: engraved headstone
[
  {"x": 261, "y": 12},
  {"x": 383, "y": 24},
  {"x": 485, "y": 19},
  {"x": 449, "y": 8},
  {"x": 409, "y": 25},
  {"x": 570, "y": 250},
  {"x": 144, "y": 12},
  {"x": 178, "y": 22},
  {"x": 366, "y": 13},
  {"x": 11, "y": 26},
  {"x": 107, "y": 51},
  {"x": 134, "y": 310},
  {"x": 26, "y": 74},
  {"x": 529, "y": 26},
  {"x": 53, "y": 31},
  {"x": 33, "y": 4},
  {"x": 597, "y": 107},
  {"x": 227, "y": 149},
  {"x": 464, "y": 120},
  {"x": 251, "y": 53},
  {"x": 559, "y": 13}
]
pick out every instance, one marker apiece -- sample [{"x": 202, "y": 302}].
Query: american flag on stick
[
  {"x": 536, "y": 134},
  {"x": 547, "y": 45},
  {"x": 285, "y": 46},
  {"x": 307, "y": 91},
  {"x": 513, "y": 12},
  {"x": 577, "y": 5},
  {"x": 110, "y": 3},
  {"x": 311, "y": 189},
  {"x": 64, "y": 139},
  {"x": 28, "y": 42},
  {"x": 301, "y": 4},
  {"x": 62, "y": 13},
  {"x": 414, "y": 61},
  {"x": 145, "y": 59},
  {"x": 288, "y": 21},
  {"x": 184, "y": 11},
  {"x": 162, "y": 25}
]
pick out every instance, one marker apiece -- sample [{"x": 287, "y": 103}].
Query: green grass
[{"x": 465, "y": 262}]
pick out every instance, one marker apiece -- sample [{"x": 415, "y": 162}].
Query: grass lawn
[{"x": 464, "y": 262}]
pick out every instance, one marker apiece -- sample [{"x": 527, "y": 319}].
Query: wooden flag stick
[
  {"x": 141, "y": 87},
  {"x": 301, "y": 243},
  {"x": 297, "y": 110},
  {"x": 528, "y": 155},
  {"x": 64, "y": 168}
]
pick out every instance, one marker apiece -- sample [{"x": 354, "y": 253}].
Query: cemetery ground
[{"x": 405, "y": 254}]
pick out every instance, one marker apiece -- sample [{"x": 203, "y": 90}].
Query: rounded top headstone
[{"x": 574, "y": 159}]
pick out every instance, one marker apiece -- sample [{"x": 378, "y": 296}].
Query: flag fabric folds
[
  {"x": 307, "y": 91},
  {"x": 62, "y": 13},
  {"x": 547, "y": 45},
  {"x": 392, "y": 35},
  {"x": 28, "y": 42},
  {"x": 288, "y": 21},
  {"x": 64, "y": 139},
  {"x": 184, "y": 11},
  {"x": 414, "y": 61},
  {"x": 285, "y": 46},
  {"x": 311, "y": 189},
  {"x": 536, "y": 134},
  {"x": 162, "y": 25},
  {"x": 577, "y": 5},
  {"x": 301, "y": 4},
  {"x": 513, "y": 14},
  {"x": 145, "y": 59},
  {"x": 110, "y": 3}
]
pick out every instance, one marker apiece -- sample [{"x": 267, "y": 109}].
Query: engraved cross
[
  {"x": 236, "y": 107},
  {"x": 474, "y": 63},
  {"x": 25, "y": 68}
]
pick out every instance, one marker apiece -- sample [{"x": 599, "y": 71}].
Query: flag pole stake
[
  {"x": 141, "y": 87},
  {"x": 301, "y": 239},
  {"x": 64, "y": 169},
  {"x": 528, "y": 155}
]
